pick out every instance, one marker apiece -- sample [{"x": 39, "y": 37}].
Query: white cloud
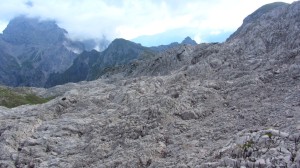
[
  {"x": 197, "y": 38},
  {"x": 132, "y": 18},
  {"x": 2, "y": 25},
  {"x": 215, "y": 32}
]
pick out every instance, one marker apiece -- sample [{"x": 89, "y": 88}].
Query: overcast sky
[{"x": 131, "y": 19}]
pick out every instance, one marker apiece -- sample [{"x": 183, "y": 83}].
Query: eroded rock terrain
[{"x": 234, "y": 104}]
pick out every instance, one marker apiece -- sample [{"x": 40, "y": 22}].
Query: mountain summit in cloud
[
  {"x": 38, "y": 48},
  {"x": 22, "y": 30}
]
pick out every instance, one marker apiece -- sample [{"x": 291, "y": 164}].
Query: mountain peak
[
  {"x": 253, "y": 17},
  {"x": 262, "y": 10},
  {"x": 121, "y": 40},
  {"x": 119, "y": 43},
  {"x": 24, "y": 30},
  {"x": 188, "y": 40}
]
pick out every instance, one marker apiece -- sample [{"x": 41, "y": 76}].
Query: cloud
[
  {"x": 130, "y": 19},
  {"x": 29, "y": 4},
  {"x": 215, "y": 32}
]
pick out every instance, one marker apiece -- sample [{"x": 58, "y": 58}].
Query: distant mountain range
[
  {"x": 187, "y": 41},
  {"x": 91, "y": 65},
  {"x": 38, "y": 53}
]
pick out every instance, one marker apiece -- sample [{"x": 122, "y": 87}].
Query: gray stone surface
[{"x": 234, "y": 104}]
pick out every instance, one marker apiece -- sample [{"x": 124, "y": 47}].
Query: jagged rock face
[
  {"x": 39, "y": 48},
  {"x": 8, "y": 76},
  {"x": 228, "y": 104},
  {"x": 274, "y": 31},
  {"x": 79, "y": 70},
  {"x": 165, "y": 62}
]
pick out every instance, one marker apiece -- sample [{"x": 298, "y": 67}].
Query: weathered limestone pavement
[{"x": 234, "y": 104}]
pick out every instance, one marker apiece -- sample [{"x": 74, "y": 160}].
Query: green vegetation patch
[
  {"x": 247, "y": 145},
  {"x": 10, "y": 98}
]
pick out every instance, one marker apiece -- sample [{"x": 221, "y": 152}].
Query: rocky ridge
[
  {"x": 121, "y": 55},
  {"x": 90, "y": 65},
  {"x": 234, "y": 104},
  {"x": 186, "y": 41}
]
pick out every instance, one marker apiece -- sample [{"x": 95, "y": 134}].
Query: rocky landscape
[
  {"x": 231, "y": 104},
  {"x": 38, "y": 53}
]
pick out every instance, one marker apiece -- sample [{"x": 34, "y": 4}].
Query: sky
[{"x": 150, "y": 22}]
